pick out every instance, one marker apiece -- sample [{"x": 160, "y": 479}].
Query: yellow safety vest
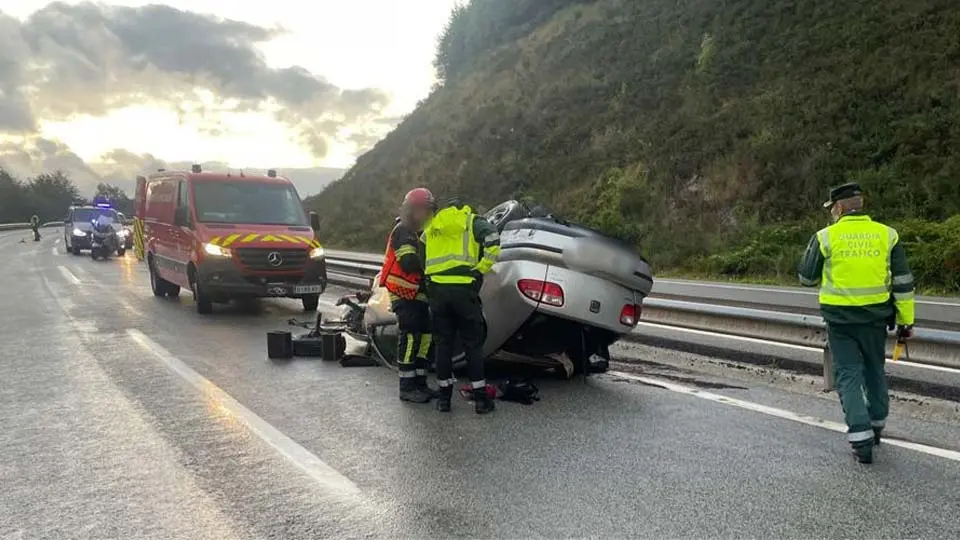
[
  {"x": 856, "y": 268},
  {"x": 452, "y": 252}
]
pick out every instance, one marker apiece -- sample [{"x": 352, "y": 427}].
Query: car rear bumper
[
  {"x": 591, "y": 300},
  {"x": 587, "y": 300},
  {"x": 223, "y": 279}
]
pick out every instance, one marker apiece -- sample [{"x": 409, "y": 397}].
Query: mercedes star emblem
[{"x": 274, "y": 258}]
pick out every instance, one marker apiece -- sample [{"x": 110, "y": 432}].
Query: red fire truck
[{"x": 226, "y": 236}]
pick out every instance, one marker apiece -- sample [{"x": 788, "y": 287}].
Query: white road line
[
  {"x": 69, "y": 275},
  {"x": 954, "y": 371},
  {"x": 287, "y": 447},
  {"x": 781, "y": 413}
]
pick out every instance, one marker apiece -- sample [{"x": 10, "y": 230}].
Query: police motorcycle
[
  {"x": 104, "y": 240},
  {"x": 559, "y": 296}
]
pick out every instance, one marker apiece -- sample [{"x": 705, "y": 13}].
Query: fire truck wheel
[
  {"x": 204, "y": 303},
  {"x": 310, "y": 302},
  {"x": 160, "y": 286}
]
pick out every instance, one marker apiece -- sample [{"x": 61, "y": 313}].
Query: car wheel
[
  {"x": 75, "y": 250},
  {"x": 310, "y": 302},
  {"x": 204, "y": 304}
]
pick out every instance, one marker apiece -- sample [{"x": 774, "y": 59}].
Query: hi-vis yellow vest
[
  {"x": 856, "y": 268},
  {"x": 451, "y": 250}
]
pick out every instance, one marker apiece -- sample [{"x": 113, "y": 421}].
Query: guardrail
[
  {"x": 26, "y": 226},
  {"x": 780, "y": 315}
]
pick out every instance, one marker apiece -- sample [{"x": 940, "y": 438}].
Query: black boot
[
  {"x": 425, "y": 388},
  {"x": 482, "y": 402},
  {"x": 864, "y": 452},
  {"x": 410, "y": 392},
  {"x": 876, "y": 435},
  {"x": 444, "y": 394}
]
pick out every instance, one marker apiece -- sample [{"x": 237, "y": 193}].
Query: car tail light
[
  {"x": 630, "y": 314},
  {"x": 541, "y": 291}
]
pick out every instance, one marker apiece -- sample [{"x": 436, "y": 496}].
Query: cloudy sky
[{"x": 103, "y": 89}]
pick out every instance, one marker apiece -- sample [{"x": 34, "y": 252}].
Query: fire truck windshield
[{"x": 248, "y": 202}]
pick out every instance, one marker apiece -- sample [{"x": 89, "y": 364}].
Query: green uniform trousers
[{"x": 858, "y": 359}]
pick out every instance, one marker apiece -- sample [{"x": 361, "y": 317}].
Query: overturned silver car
[{"x": 559, "y": 296}]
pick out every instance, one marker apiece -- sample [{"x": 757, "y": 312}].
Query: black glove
[{"x": 904, "y": 331}]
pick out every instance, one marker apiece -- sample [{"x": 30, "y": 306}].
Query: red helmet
[{"x": 420, "y": 197}]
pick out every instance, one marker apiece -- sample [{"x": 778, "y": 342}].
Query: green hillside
[{"x": 704, "y": 131}]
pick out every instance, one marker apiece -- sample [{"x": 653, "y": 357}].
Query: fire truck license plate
[{"x": 307, "y": 289}]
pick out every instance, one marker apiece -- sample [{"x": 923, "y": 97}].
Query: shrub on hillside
[
  {"x": 934, "y": 252},
  {"x": 933, "y": 249}
]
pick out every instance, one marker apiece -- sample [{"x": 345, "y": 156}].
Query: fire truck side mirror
[{"x": 315, "y": 222}]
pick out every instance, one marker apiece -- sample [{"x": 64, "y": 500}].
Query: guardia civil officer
[{"x": 865, "y": 288}]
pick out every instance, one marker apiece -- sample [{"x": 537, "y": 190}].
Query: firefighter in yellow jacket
[
  {"x": 865, "y": 288},
  {"x": 460, "y": 248}
]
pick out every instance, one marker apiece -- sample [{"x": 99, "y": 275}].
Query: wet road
[{"x": 127, "y": 416}]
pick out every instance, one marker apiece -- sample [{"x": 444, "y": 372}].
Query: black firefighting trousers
[
  {"x": 456, "y": 311},
  {"x": 413, "y": 319}
]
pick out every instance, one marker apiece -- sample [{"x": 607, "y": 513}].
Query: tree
[
  {"x": 116, "y": 196},
  {"x": 13, "y": 208},
  {"x": 50, "y": 195}
]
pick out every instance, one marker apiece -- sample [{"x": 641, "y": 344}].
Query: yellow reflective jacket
[{"x": 859, "y": 263}]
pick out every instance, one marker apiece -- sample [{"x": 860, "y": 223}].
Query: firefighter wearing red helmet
[{"x": 402, "y": 276}]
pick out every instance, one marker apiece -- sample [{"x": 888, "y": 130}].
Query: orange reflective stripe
[
  {"x": 401, "y": 287},
  {"x": 397, "y": 280}
]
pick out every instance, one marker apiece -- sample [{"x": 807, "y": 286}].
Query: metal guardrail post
[{"x": 829, "y": 382}]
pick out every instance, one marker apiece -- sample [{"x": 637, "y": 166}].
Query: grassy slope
[{"x": 706, "y": 131}]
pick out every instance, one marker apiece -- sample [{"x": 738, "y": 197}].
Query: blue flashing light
[{"x": 103, "y": 205}]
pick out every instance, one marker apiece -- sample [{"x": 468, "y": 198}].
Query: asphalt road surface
[{"x": 127, "y": 416}]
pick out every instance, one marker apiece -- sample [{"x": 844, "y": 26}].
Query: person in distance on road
[
  {"x": 35, "y": 225},
  {"x": 866, "y": 287},
  {"x": 402, "y": 276},
  {"x": 460, "y": 248}
]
